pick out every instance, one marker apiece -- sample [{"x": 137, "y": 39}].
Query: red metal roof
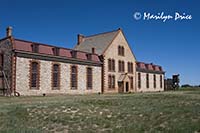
[
  {"x": 23, "y": 45},
  {"x": 148, "y": 66}
]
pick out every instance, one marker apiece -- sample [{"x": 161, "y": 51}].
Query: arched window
[
  {"x": 34, "y": 75},
  {"x": 74, "y": 77},
  {"x": 55, "y": 76}
]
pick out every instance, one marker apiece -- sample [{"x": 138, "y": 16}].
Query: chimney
[
  {"x": 80, "y": 38},
  {"x": 9, "y": 31},
  {"x": 93, "y": 50}
]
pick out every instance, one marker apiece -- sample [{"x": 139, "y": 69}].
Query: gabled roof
[{"x": 99, "y": 41}]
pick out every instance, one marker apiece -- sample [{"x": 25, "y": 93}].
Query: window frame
[
  {"x": 74, "y": 54},
  {"x": 75, "y": 76},
  {"x": 131, "y": 82},
  {"x": 57, "y": 73},
  {"x": 111, "y": 65},
  {"x": 35, "y": 48},
  {"x": 161, "y": 81},
  {"x": 154, "y": 81},
  {"x": 121, "y": 50},
  {"x": 111, "y": 82},
  {"x": 89, "y": 77},
  {"x": 37, "y": 75},
  {"x": 56, "y": 51},
  {"x": 147, "y": 80},
  {"x": 139, "y": 80}
]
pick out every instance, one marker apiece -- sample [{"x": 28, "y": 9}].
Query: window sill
[
  {"x": 74, "y": 88},
  {"x": 34, "y": 88},
  {"x": 55, "y": 88}
]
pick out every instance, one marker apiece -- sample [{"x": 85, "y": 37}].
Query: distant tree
[{"x": 186, "y": 85}]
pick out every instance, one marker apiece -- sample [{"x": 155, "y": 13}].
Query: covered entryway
[{"x": 123, "y": 83}]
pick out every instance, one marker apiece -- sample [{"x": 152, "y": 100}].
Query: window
[
  {"x": 74, "y": 54},
  {"x": 130, "y": 67},
  {"x": 56, "y": 51},
  {"x": 147, "y": 80},
  {"x": 160, "y": 81},
  {"x": 154, "y": 81},
  {"x": 34, "y": 75},
  {"x": 111, "y": 65},
  {"x": 1, "y": 61},
  {"x": 121, "y": 50},
  {"x": 121, "y": 66},
  {"x": 74, "y": 77},
  {"x": 131, "y": 80},
  {"x": 35, "y": 48},
  {"x": 89, "y": 78},
  {"x": 139, "y": 80},
  {"x": 111, "y": 81},
  {"x": 55, "y": 76},
  {"x": 89, "y": 56}
]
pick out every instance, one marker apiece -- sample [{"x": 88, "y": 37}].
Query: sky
[{"x": 172, "y": 44}]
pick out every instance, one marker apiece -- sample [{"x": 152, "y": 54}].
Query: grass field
[{"x": 177, "y": 111}]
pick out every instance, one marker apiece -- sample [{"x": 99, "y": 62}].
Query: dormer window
[
  {"x": 56, "y": 51},
  {"x": 35, "y": 48},
  {"x": 89, "y": 56},
  {"x": 74, "y": 54}
]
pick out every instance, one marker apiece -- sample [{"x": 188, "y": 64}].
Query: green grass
[{"x": 177, "y": 111}]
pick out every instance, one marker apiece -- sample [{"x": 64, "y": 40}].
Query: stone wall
[
  {"x": 151, "y": 82},
  {"x": 6, "y": 50},
  {"x": 22, "y": 78}
]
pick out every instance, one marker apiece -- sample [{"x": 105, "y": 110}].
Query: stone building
[
  {"x": 101, "y": 63},
  {"x": 150, "y": 77}
]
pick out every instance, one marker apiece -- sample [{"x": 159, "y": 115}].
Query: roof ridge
[{"x": 107, "y": 32}]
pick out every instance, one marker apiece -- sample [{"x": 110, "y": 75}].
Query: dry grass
[{"x": 148, "y": 112}]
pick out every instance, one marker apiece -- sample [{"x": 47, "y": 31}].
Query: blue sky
[{"x": 173, "y": 44}]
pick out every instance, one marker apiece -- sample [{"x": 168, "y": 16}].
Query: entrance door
[
  {"x": 127, "y": 86},
  {"x": 120, "y": 87}
]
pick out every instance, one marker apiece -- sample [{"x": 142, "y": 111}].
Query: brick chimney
[
  {"x": 9, "y": 31},
  {"x": 80, "y": 39},
  {"x": 93, "y": 50}
]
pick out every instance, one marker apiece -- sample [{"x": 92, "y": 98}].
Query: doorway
[{"x": 127, "y": 86}]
